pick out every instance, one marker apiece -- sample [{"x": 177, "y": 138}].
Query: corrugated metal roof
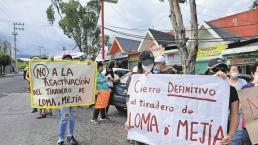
[
  {"x": 223, "y": 33},
  {"x": 128, "y": 45},
  {"x": 162, "y": 38}
]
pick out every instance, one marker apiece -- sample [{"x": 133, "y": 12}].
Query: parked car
[{"x": 120, "y": 91}]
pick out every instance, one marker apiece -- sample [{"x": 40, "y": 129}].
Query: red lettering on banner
[
  {"x": 182, "y": 124},
  {"x": 193, "y": 132},
  {"x": 140, "y": 88},
  {"x": 219, "y": 135},
  {"x": 188, "y": 128},
  {"x": 202, "y": 140},
  {"x": 147, "y": 122}
]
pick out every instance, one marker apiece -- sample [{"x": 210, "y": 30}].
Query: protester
[
  {"x": 238, "y": 83},
  {"x": 67, "y": 118},
  {"x": 102, "y": 85},
  {"x": 219, "y": 68},
  {"x": 27, "y": 77},
  {"x": 145, "y": 66},
  {"x": 245, "y": 137},
  {"x": 111, "y": 77},
  {"x": 253, "y": 83},
  {"x": 43, "y": 112},
  {"x": 161, "y": 68},
  {"x": 234, "y": 81}
]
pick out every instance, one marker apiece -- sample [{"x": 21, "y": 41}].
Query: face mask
[
  {"x": 256, "y": 78},
  {"x": 148, "y": 68},
  {"x": 234, "y": 74},
  {"x": 156, "y": 69},
  {"x": 100, "y": 69}
]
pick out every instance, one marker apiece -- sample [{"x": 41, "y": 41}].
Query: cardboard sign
[
  {"x": 249, "y": 104},
  {"x": 102, "y": 99},
  {"x": 60, "y": 84},
  {"x": 178, "y": 109}
]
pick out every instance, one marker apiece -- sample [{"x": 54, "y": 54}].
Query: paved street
[{"x": 20, "y": 127}]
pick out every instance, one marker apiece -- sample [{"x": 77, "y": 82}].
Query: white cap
[
  {"x": 160, "y": 59},
  {"x": 135, "y": 69}
]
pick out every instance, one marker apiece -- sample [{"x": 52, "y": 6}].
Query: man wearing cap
[
  {"x": 160, "y": 66},
  {"x": 217, "y": 67}
]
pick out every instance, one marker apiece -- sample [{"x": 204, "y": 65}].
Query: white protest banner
[
  {"x": 178, "y": 109},
  {"x": 249, "y": 105},
  {"x": 56, "y": 84}
]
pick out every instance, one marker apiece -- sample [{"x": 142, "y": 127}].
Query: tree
[
  {"x": 188, "y": 52},
  {"x": 4, "y": 61},
  {"x": 255, "y": 4},
  {"x": 78, "y": 22}
]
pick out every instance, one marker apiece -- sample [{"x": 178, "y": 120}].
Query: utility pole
[{"x": 15, "y": 27}]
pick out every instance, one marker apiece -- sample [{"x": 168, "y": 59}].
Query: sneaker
[
  {"x": 61, "y": 143},
  {"x": 34, "y": 110},
  {"x": 42, "y": 116},
  {"x": 49, "y": 114},
  {"x": 72, "y": 140},
  {"x": 94, "y": 121},
  {"x": 104, "y": 119}
]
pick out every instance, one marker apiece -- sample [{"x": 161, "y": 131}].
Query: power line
[
  {"x": 173, "y": 41},
  {"x": 135, "y": 29}
]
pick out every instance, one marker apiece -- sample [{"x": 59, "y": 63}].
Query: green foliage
[
  {"x": 255, "y": 4},
  {"x": 78, "y": 22},
  {"x": 50, "y": 14},
  {"x": 22, "y": 64},
  {"x": 5, "y": 59}
]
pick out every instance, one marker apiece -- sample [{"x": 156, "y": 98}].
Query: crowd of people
[
  {"x": 148, "y": 64},
  {"x": 237, "y": 133}
]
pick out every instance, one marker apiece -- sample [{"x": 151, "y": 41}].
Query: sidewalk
[
  {"x": 20, "y": 127},
  {"x": 11, "y": 75}
]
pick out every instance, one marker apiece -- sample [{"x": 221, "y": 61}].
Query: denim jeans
[
  {"x": 238, "y": 135},
  {"x": 67, "y": 117}
]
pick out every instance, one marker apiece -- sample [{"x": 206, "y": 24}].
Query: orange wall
[
  {"x": 133, "y": 57},
  {"x": 245, "y": 18},
  {"x": 114, "y": 49}
]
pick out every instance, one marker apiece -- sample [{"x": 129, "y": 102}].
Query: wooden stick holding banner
[{"x": 60, "y": 83}]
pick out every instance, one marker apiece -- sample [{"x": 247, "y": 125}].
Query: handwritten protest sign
[
  {"x": 249, "y": 104},
  {"x": 102, "y": 99},
  {"x": 61, "y": 83},
  {"x": 178, "y": 109}
]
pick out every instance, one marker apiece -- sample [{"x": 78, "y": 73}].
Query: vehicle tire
[{"x": 120, "y": 109}]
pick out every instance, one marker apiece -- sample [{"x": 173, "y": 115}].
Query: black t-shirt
[{"x": 233, "y": 96}]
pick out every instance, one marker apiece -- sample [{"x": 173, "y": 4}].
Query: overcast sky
[{"x": 135, "y": 14}]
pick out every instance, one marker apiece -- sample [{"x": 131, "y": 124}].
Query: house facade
[
  {"x": 244, "y": 52},
  {"x": 212, "y": 41},
  {"x": 161, "y": 43},
  {"x": 125, "y": 52}
]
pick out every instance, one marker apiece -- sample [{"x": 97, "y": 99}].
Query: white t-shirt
[{"x": 239, "y": 84}]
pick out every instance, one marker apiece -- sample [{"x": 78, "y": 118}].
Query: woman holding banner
[
  {"x": 217, "y": 67},
  {"x": 238, "y": 83},
  {"x": 145, "y": 66},
  {"x": 67, "y": 118},
  {"x": 103, "y": 94}
]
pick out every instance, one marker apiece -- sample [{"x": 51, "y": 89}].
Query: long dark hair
[
  {"x": 110, "y": 72},
  {"x": 139, "y": 68}
]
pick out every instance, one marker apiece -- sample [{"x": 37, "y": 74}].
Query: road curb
[{"x": 10, "y": 75}]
